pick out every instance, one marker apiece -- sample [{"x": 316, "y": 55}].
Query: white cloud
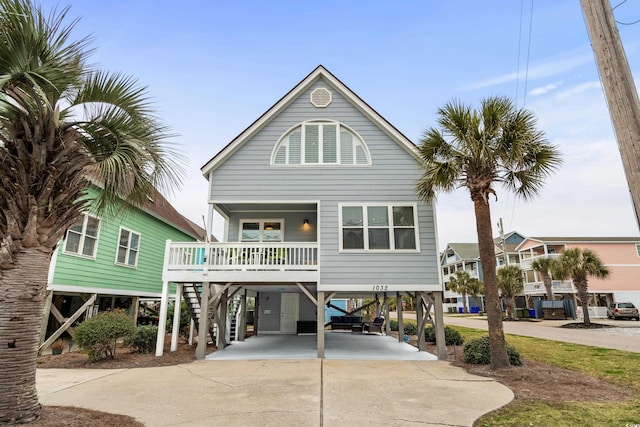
[
  {"x": 552, "y": 66},
  {"x": 544, "y": 89}
]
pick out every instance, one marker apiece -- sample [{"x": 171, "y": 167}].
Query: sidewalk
[{"x": 281, "y": 392}]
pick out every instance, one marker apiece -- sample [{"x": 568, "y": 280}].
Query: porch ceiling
[
  {"x": 267, "y": 207},
  {"x": 277, "y": 287}
]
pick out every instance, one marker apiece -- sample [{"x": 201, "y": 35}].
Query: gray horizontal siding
[{"x": 248, "y": 176}]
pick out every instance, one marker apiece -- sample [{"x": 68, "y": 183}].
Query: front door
[{"x": 289, "y": 309}]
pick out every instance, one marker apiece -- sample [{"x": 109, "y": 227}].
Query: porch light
[{"x": 305, "y": 222}]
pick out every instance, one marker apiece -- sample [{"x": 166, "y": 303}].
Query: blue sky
[{"x": 213, "y": 67}]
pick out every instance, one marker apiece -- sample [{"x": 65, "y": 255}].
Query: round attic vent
[{"x": 320, "y": 97}]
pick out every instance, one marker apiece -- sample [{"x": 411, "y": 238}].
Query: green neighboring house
[{"x": 106, "y": 263}]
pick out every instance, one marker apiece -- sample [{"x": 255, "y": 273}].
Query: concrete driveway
[{"x": 281, "y": 392}]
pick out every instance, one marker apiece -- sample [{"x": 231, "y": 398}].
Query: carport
[{"x": 338, "y": 346}]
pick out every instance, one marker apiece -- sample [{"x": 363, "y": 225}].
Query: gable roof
[
  {"x": 287, "y": 99},
  {"x": 465, "y": 250},
  {"x": 159, "y": 207}
]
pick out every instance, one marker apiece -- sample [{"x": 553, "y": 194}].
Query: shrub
[
  {"x": 99, "y": 334},
  {"x": 185, "y": 319},
  {"x": 143, "y": 339},
  {"x": 410, "y": 329},
  {"x": 477, "y": 352},
  {"x": 451, "y": 336}
]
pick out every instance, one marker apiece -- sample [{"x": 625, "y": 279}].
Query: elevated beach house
[
  {"x": 318, "y": 197},
  {"x": 111, "y": 261}
]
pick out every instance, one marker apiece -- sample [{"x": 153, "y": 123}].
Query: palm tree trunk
[
  {"x": 546, "y": 279},
  {"x": 464, "y": 303},
  {"x": 514, "y": 314},
  {"x": 22, "y": 295},
  {"x": 497, "y": 343},
  {"x": 583, "y": 296}
]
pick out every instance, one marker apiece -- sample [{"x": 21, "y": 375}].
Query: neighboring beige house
[{"x": 620, "y": 254}]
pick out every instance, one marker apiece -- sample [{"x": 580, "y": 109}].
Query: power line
[
  {"x": 526, "y": 77},
  {"x": 519, "y": 46}
]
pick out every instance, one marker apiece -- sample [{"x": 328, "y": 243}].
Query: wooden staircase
[{"x": 191, "y": 293}]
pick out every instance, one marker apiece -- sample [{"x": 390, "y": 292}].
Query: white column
[
  {"x": 420, "y": 321},
  {"x": 320, "y": 320},
  {"x": 242, "y": 326},
  {"x": 175, "y": 331},
  {"x": 192, "y": 327},
  {"x": 162, "y": 321},
  {"x": 203, "y": 327},
  {"x": 438, "y": 323},
  {"x": 400, "y": 320}
]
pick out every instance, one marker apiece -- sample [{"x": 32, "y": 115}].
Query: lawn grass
[{"x": 614, "y": 366}]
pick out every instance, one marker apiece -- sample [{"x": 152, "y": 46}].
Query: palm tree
[
  {"x": 462, "y": 283},
  {"x": 578, "y": 264},
  {"x": 545, "y": 266},
  {"x": 477, "y": 149},
  {"x": 62, "y": 122},
  {"x": 510, "y": 283}
]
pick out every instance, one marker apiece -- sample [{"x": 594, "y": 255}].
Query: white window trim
[
  {"x": 390, "y": 227},
  {"x": 82, "y": 236},
  {"x": 124, "y": 264},
  {"x": 320, "y": 163},
  {"x": 261, "y": 229}
]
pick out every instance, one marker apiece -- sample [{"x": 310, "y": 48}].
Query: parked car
[{"x": 623, "y": 310}]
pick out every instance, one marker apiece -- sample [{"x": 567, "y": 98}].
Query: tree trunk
[
  {"x": 497, "y": 343},
  {"x": 514, "y": 314},
  {"x": 464, "y": 303},
  {"x": 22, "y": 296},
  {"x": 546, "y": 279},
  {"x": 583, "y": 296}
]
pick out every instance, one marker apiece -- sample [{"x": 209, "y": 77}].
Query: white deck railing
[
  {"x": 198, "y": 257},
  {"x": 525, "y": 264},
  {"x": 558, "y": 286}
]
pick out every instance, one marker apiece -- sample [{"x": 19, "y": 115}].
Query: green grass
[{"x": 614, "y": 366}]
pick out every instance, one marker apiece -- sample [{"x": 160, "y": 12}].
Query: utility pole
[
  {"x": 619, "y": 89},
  {"x": 503, "y": 243}
]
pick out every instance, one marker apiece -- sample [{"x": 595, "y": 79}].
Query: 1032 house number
[{"x": 380, "y": 287}]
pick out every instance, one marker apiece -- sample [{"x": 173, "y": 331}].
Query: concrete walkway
[
  {"x": 281, "y": 392},
  {"x": 624, "y": 336}
]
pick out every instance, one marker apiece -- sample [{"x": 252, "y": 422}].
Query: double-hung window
[
  {"x": 128, "y": 247},
  {"x": 82, "y": 237},
  {"x": 378, "y": 227}
]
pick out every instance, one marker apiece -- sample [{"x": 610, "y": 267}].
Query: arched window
[{"x": 320, "y": 142}]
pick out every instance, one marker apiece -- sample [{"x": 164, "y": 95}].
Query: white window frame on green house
[
  {"x": 263, "y": 225},
  {"x": 83, "y": 237},
  {"x": 372, "y": 226},
  {"x": 127, "y": 248},
  {"x": 333, "y": 144}
]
